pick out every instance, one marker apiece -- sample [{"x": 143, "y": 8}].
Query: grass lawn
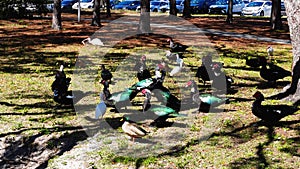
[{"x": 36, "y": 133}]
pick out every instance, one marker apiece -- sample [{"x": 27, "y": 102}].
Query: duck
[
  {"x": 202, "y": 74},
  {"x": 132, "y": 129},
  {"x": 274, "y": 72},
  {"x": 101, "y": 107},
  {"x": 146, "y": 83},
  {"x": 171, "y": 56},
  {"x": 106, "y": 91},
  {"x": 106, "y": 74},
  {"x": 60, "y": 86},
  {"x": 141, "y": 68},
  {"x": 204, "y": 100},
  {"x": 176, "y": 47},
  {"x": 160, "y": 74},
  {"x": 270, "y": 113},
  {"x": 95, "y": 41},
  {"x": 270, "y": 52},
  {"x": 253, "y": 62},
  {"x": 121, "y": 99},
  {"x": 205, "y": 72},
  {"x": 220, "y": 80},
  {"x": 163, "y": 112},
  {"x": 146, "y": 104},
  {"x": 177, "y": 69}
]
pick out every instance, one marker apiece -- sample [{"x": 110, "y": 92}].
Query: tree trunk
[
  {"x": 229, "y": 18},
  {"x": 173, "y": 9},
  {"x": 292, "y": 93},
  {"x": 108, "y": 13},
  {"x": 187, "y": 9},
  {"x": 56, "y": 17},
  {"x": 276, "y": 22},
  {"x": 96, "y": 14},
  {"x": 144, "y": 23}
]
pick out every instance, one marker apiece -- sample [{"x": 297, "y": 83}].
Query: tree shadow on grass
[
  {"x": 261, "y": 159},
  {"x": 240, "y": 135}
]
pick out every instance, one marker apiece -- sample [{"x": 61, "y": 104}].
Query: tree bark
[
  {"x": 173, "y": 9},
  {"x": 292, "y": 92},
  {"x": 96, "y": 14},
  {"x": 144, "y": 23},
  {"x": 229, "y": 18},
  {"x": 56, "y": 17},
  {"x": 187, "y": 9},
  {"x": 108, "y": 6},
  {"x": 276, "y": 22}
]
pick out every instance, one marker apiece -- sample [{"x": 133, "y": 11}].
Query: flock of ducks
[{"x": 146, "y": 85}]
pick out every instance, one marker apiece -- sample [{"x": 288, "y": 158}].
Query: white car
[
  {"x": 258, "y": 8},
  {"x": 221, "y": 7},
  {"x": 84, "y": 4},
  {"x": 155, "y": 5}
]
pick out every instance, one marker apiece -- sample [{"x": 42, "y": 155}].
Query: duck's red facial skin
[{"x": 257, "y": 94}]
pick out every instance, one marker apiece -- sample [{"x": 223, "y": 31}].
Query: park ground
[{"x": 35, "y": 133}]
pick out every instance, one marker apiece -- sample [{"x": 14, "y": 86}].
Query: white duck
[
  {"x": 178, "y": 68},
  {"x": 270, "y": 51},
  {"x": 95, "y": 41},
  {"x": 101, "y": 107}
]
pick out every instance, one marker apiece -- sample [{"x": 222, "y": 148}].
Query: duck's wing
[{"x": 134, "y": 130}]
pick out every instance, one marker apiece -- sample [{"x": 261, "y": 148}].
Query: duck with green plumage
[
  {"x": 205, "y": 101},
  {"x": 162, "y": 112}
]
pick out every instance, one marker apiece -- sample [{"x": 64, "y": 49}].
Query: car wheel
[
  {"x": 262, "y": 13},
  {"x": 154, "y": 10}
]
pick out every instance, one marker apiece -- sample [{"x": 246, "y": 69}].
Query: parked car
[
  {"x": 200, "y": 6},
  {"x": 67, "y": 4},
  {"x": 164, "y": 8},
  {"x": 134, "y": 5},
  {"x": 283, "y": 13},
  {"x": 258, "y": 8},
  {"x": 155, "y": 5},
  {"x": 84, "y": 4},
  {"x": 113, "y": 3},
  {"x": 124, "y": 4},
  {"x": 221, "y": 7},
  {"x": 179, "y": 6}
]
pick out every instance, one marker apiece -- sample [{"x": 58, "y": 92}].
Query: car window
[
  {"x": 221, "y": 2},
  {"x": 269, "y": 4},
  {"x": 255, "y": 4},
  {"x": 155, "y": 3}
]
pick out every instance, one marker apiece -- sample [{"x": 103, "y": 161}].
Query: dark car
[
  {"x": 67, "y": 4},
  {"x": 200, "y": 6},
  {"x": 134, "y": 5},
  {"x": 124, "y": 4},
  {"x": 283, "y": 13}
]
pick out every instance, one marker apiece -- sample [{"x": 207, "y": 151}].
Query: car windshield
[
  {"x": 221, "y": 2},
  {"x": 154, "y": 3},
  {"x": 255, "y": 4}
]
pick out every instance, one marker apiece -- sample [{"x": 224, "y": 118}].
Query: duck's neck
[
  {"x": 256, "y": 104},
  {"x": 171, "y": 43}
]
